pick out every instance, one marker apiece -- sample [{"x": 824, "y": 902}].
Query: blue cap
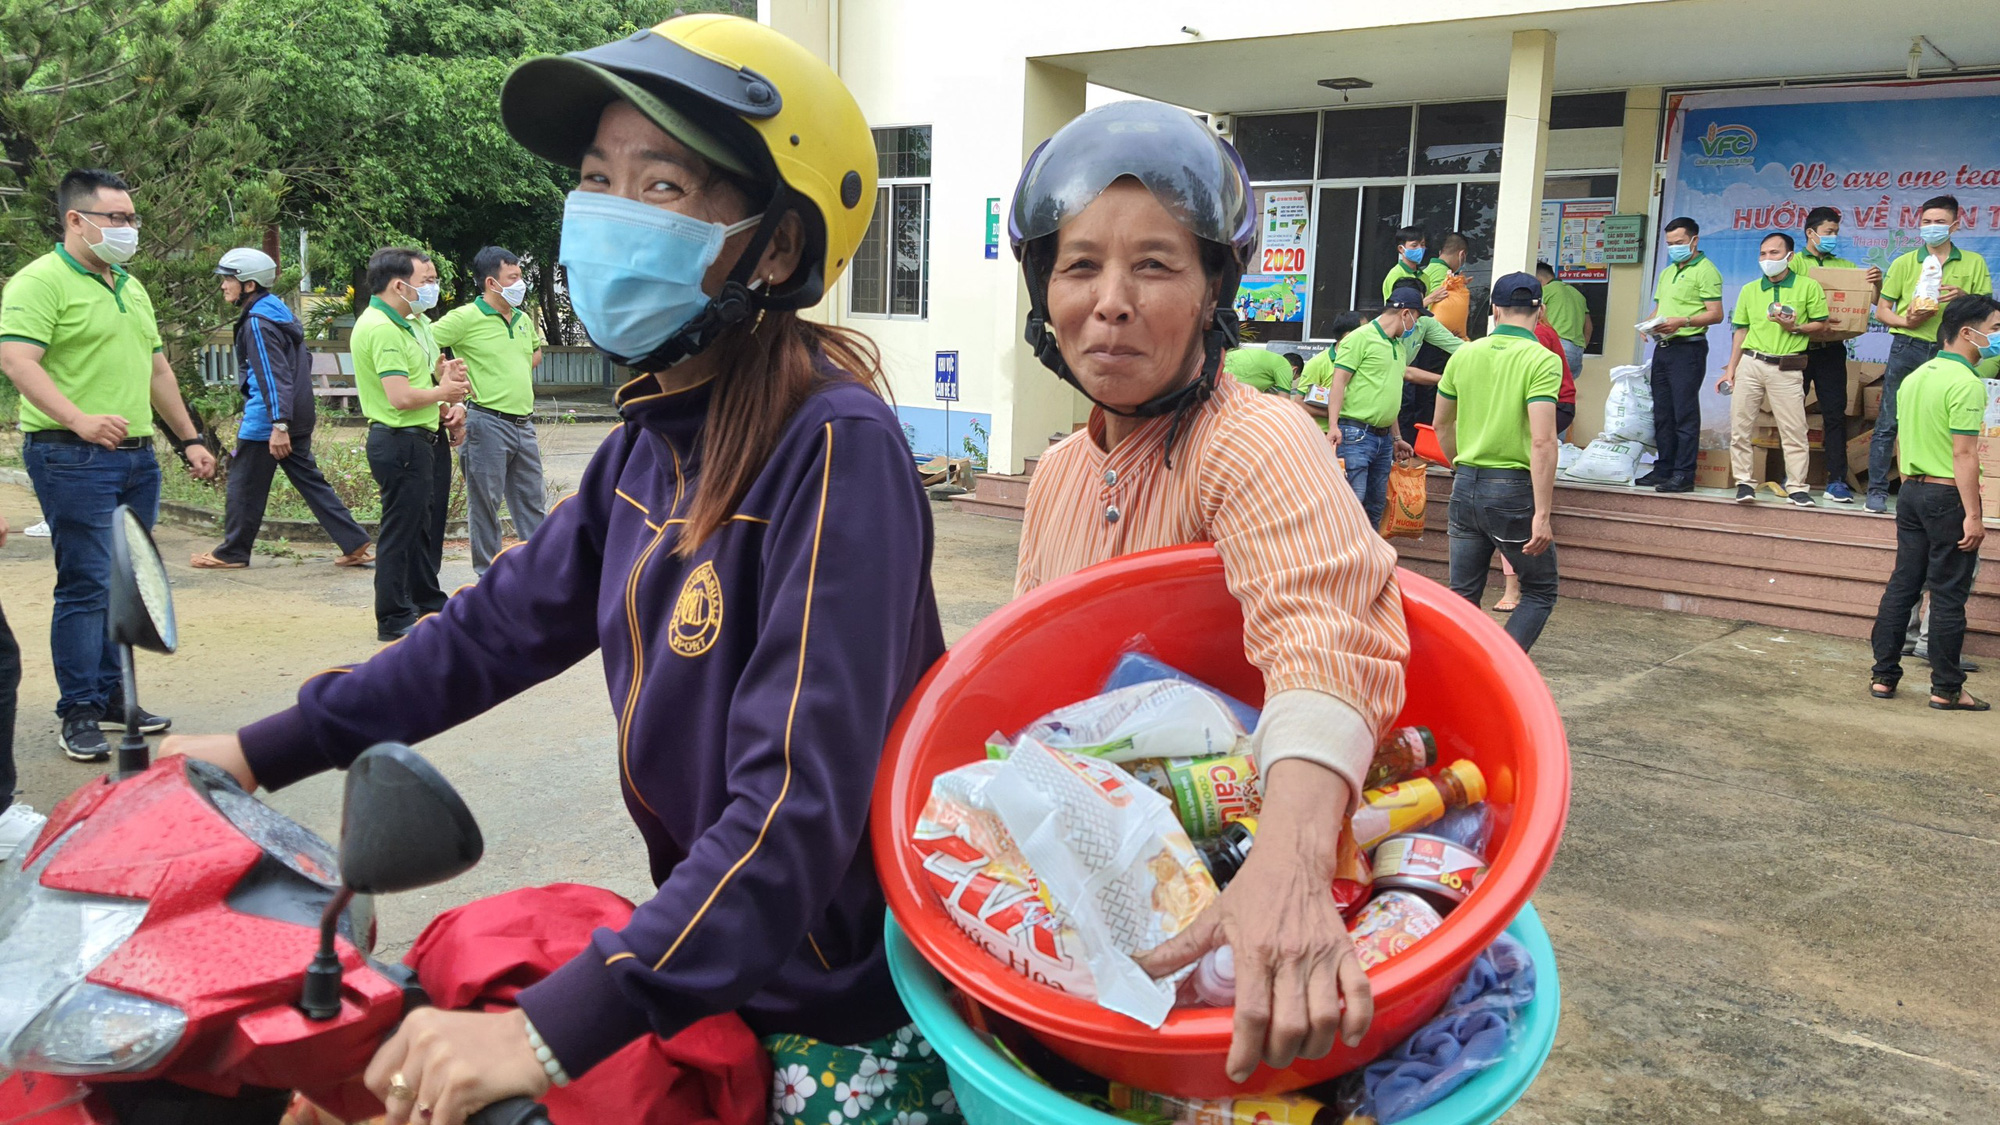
[{"x": 1517, "y": 291}]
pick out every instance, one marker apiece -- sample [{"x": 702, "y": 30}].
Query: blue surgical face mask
[
  {"x": 1829, "y": 245},
  {"x": 634, "y": 271},
  {"x": 1934, "y": 233},
  {"x": 1410, "y": 331},
  {"x": 1991, "y": 349},
  {"x": 1414, "y": 253},
  {"x": 1679, "y": 252},
  {"x": 425, "y": 298}
]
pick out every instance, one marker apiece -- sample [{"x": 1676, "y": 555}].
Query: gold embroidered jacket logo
[{"x": 698, "y": 613}]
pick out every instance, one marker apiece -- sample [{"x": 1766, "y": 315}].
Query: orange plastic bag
[
  {"x": 1456, "y": 305},
  {"x": 1408, "y": 494}
]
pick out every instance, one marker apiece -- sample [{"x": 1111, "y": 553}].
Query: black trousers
[
  {"x": 10, "y": 690},
  {"x": 251, "y": 468},
  {"x": 1930, "y": 520},
  {"x": 1826, "y": 374},
  {"x": 1678, "y": 370},
  {"x": 412, "y": 467},
  {"x": 1420, "y": 401}
]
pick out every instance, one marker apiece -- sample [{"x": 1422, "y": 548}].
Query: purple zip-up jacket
[{"x": 754, "y": 685}]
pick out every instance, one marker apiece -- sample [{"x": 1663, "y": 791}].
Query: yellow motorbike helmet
[{"x": 750, "y": 101}]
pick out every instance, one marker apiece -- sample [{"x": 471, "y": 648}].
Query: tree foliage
[{"x": 148, "y": 91}]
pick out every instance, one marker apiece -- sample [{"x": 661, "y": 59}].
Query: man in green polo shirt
[
  {"x": 1266, "y": 371},
  {"x": 1567, "y": 313},
  {"x": 78, "y": 339},
  {"x": 502, "y": 456},
  {"x": 1938, "y": 525},
  {"x": 1411, "y": 267},
  {"x": 1316, "y": 377},
  {"x": 1686, "y": 300},
  {"x": 1826, "y": 357},
  {"x": 1767, "y": 365},
  {"x": 1364, "y": 395},
  {"x": 1496, "y": 422},
  {"x": 1913, "y": 324},
  {"x": 402, "y": 385}
]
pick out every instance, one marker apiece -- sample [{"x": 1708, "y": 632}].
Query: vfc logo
[{"x": 697, "y": 613}]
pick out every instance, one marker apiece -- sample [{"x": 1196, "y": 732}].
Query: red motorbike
[{"x": 175, "y": 952}]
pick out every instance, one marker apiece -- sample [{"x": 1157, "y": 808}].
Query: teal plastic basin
[{"x": 992, "y": 1091}]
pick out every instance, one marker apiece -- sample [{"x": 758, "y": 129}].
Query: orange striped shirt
[{"x": 1254, "y": 475}]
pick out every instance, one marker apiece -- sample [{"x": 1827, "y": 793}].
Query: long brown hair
[{"x": 774, "y": 365}]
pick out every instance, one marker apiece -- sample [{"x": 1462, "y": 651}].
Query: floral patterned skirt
[{"x": 895, "y": 1080}]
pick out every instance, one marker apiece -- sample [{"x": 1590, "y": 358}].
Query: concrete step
[
  {"x": 972, "y": 503},
  {"x": 1028, "y": 464},
  {"x": 1002, "y": 488}
]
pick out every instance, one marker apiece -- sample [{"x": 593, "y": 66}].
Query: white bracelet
[{"x": 550, "y": 1065}]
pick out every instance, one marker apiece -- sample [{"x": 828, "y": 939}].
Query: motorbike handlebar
[{"x": 513, "y": 1111}]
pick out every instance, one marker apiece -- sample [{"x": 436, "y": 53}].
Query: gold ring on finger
[{"x": 399, "y": 1090}]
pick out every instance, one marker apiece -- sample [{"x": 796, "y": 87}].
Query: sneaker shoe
[
  {"x": 1802, "y": 499},
  {"x": 149, "y": 723},
  {"x": 1839, "y": 493},
  {"x": 1877, "y": 503},
  {"x": 1745, "y": 494},
  {"x": 80, "y": 738},
  {"x": 39, "y": 530}
]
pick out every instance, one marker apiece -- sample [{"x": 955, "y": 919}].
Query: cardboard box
[
  {"x": 1711, "y": 468},
  {"x": 1867, "y": 373},
  {"x": 1853, "y": 390},
  {"x": 1766, "y": 433},
  {"x": 1849, "y": 298},
  {"x": 1989, "y": 458},
  {"x": 1992, "y": 428},
  {"x": 1871, "y": 402},
  {"x": 1857, "y": 461}
]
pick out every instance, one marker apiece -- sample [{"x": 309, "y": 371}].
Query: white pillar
[
  {"x": 1524, "y": 153},
  {"x": 1029, "y": 402}
]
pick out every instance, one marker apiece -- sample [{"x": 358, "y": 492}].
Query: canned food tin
[
  {"x": 1391, "y": 923},
  {"x": 1430, "y": 865}
]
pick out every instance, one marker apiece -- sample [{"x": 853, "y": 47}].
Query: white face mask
[
  {"x": 1773, "y": 267},
  {"x": 514, "y": 293},
  {"x": 115, "y": 245},
  {"x": 423, "y": 297}
]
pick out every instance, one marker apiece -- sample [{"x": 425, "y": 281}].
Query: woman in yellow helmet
[{"x": 751, "y": 553}]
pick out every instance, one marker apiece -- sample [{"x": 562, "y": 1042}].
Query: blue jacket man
[{"x": 274, "y": 372}]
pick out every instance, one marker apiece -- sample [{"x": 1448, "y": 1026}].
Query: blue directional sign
[{"x": 947, "y": 376}]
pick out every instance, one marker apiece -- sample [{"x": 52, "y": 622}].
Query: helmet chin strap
[{"x": 1222, "y": 334}]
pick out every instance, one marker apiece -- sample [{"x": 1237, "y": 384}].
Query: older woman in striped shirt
[{"x": 1133, "y": 227}]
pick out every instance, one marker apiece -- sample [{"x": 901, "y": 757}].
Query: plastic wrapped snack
[
  {"x": 1153, "y": 719},
  {"x": 1064, "y": 867}
]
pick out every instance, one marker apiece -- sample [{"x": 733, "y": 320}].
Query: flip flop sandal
[
  {"x": 1880, "y": 690},
  {"x": 1960, "y": 704},
  {"x": 206, "y": 561},
  {"x": 1505, "y": 606},
  {"x": 361, "y": 556}
]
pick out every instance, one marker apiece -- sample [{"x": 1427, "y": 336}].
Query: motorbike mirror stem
[
  {"x": 133, "y": 754},
  {"x": 320, "y": 999}
]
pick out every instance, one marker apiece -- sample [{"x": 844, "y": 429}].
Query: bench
[{"x": 327, "y": 366}]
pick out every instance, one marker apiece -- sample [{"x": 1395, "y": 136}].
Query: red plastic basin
[{"x": 1469, "y": 683}]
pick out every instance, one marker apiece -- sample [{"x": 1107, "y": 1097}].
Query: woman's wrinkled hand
[
  {"x": 224, "y": 750},
  {"x": 454, "y": 1064}
]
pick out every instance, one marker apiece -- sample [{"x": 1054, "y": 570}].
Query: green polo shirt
[
  {"x": 1376, "y": 361},
  {"x": 1804, "y": 262},
  {"x": 499, "y": 354},
  {"x": 1318, "y": 372},
  {"x": 1936, "y": 401},
  {"x": 1566, "y": 310},
  {"x": 386, "y": 343},
  {"x": 1753, "y": 312},
  {"x": 1686, "y": 289},
  {"x": 1432, "y": 275},
  {"x": 1267, "y": 371},
  {"x": 1493, "y": 380},
  {"x": 1963, "y": 268},
  {"x": 1430, "y": 331},
  {"x": 98, "y": 339}
]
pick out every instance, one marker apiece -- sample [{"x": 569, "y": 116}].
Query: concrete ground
[{"x": 1774, "y": 898}]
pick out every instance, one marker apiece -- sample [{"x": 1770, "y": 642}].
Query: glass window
[
  {"x": 1587, "y": 111},
  {"x": 868, "y": 287},
  {"x": 1333, "y": 259},
  {"x": 1434, "y": 210},
  {"x": 1459, "y": 138},
  {"x": 1277, "y": 146},
  {"x": 903, "y": 153},
  {"x": 909, "y": 292},
  {"x": 1365, "y": 142},
  {"x": 1478, "y": 204},
  {"x": 1580, "y": 187},
  {"x": 1381, "y": 217}
]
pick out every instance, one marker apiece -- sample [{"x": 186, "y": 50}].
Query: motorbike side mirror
[
  {"x": 403, "y": 826},
  {"x": 141, "y": 616}
]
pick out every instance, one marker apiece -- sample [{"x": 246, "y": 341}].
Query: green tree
[
  {"x": 147, "y": 91},
  {"x": 384, "y": 119}
]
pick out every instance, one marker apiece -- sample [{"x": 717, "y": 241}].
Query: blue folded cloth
[
  {"x": 1468, "y": 1036},
  {"x": 1138, "y": 668}
]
